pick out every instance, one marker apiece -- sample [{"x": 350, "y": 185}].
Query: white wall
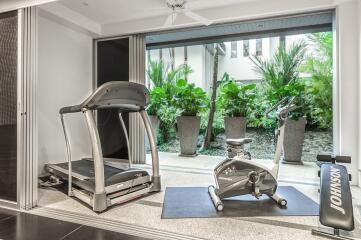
[
  {"x": 241, "y": 68},
  {"x": 195, "y": 61},
  {"x": 359, "y": 88},
  {"x": 348, "y": 82},
  {"x": 65, "y": 78}
]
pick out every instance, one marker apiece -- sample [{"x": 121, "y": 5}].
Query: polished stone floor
[
  {"x": 145, "y": 213},
  {"x": 24, "y": 226}
]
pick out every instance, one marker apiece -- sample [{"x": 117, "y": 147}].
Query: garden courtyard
[
  {"x": 263, "y": 145},
  {"x": 202, "y": 95}
]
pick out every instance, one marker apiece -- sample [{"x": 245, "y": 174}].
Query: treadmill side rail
[
  {"x": 125, "y": 97},
  {"x": 154, "y": 152}
]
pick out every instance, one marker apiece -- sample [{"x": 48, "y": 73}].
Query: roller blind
[{"x": 277, "y": 26}]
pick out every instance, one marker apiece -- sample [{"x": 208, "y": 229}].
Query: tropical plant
[
  {"x": 233, "y": 99},
  {"x": 183, "y": 71},
  {"x": 158, "y": 98},
  {"x": 157, "y": 72},
  {"x": 281, "y": 70},
  {"x": 164, "y": 88},
  {"x": 161, "y": 74},
  {"x": 167, "y": 115},
  {"x": 189, "y": 99},
  {"x": 280, "y": 78},
  {"x": 319, "y": 64}
]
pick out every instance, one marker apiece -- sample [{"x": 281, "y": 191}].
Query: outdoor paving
[{"x": 262, "y": 147}]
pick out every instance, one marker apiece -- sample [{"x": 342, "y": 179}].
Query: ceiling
[
  {"x": 113, "y": 11},
  {"x": 8, "y": 5}
]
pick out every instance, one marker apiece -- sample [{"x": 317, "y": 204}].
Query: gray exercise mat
[{"x": 194, "y": 202}]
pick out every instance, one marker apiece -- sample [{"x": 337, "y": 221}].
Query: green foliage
[
  {"x": 280, "y": 76},
  {"x": 183, "y": 71},
  {"x": 189, "y": 99},
  {"x": 164, "y": 88},
  {"x": 218, "y": 122},
  {"x": 281, "y": 70},
  {"x": 158, "y": 98},
  {"x": 319, "y": 86},
  {"x": 157, "y": 72},
  {"x": 234, "y": 99},
  {"x": 160, "y": 73},
  {"x": 167, "y": 115}
]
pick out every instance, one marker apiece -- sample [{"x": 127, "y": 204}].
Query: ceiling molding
[
  {"x": 68, "y": 16},
  {"x": 14, "y": 5}
]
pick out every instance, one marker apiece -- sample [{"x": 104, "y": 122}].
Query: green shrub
[
  {"x": 158, "y": 98},
  {"x": 319, "y": 64},
  {"x": 218, "y": 122},
  {"x": 280, "y": 78},
  {"x": 189, "y": 99},
  {"x": 167, "y": 115},
  {"x": 164, "y": 89},
  {"x": 233, "y": 99}
]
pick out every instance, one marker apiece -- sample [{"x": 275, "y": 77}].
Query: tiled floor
[{"x": 23, "y": 226}]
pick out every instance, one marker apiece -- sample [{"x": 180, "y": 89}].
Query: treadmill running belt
[{"x": 86, "y": 168}]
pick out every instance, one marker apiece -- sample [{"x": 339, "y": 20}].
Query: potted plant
[
  {"x": 190, "y": 100},
  {"x": 280, "y": 78},
  {"x": 295, "y": 126},
  {"x": 157, "y": 100},
  {"x": 233, "y": 101}
]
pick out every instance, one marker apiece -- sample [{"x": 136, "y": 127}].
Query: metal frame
[
  {"x": 333, "y": 234},
  {"x": 27, "y": 162},
  {"x": 101, "y": 198}
]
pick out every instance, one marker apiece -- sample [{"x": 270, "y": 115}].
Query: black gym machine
[{"x": 336, "y": 209}]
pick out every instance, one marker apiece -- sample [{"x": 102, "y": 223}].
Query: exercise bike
[{"x": 239, "y": 175}]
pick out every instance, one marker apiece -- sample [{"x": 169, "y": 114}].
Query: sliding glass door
[
  {"x": 112, "y": 65},
  {"x": 8, "y": 106}
]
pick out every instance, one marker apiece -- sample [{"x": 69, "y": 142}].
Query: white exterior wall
[
  {"x": 65, "y": 78},
  {"x": 241, "y": 68},
  {"x": 346, "y": 109},
  {"x": 196, "y": 55},
  {"x": 196, "y": 62}
]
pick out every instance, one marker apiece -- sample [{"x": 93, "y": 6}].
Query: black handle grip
[{"x": 330, "y": 158}]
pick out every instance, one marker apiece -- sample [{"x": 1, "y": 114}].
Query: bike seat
[{"x": 238, "y": 141}]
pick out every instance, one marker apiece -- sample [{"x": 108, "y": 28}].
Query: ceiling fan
[{"x": 179, "y": 7}]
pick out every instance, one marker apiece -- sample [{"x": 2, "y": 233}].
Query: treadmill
[{"x": 96, "y": 181}]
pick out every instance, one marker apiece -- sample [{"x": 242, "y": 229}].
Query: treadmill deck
[{"x": 114, "y": 178}]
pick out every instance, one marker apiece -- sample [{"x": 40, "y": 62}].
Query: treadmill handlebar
[{"x": 125, "y": 96}]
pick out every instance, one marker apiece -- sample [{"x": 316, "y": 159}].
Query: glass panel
[
  {"x": 245, "y": 48},
  {"x": 259, "y": 47},
  {"x": 113, "y": 65},
  {"x": 8, "y": 108},
  {"x": 234, "y": 50}
]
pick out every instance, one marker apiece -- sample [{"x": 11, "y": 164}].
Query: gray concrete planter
[
  {"x": 188, "y": 131},
  {"x": 293, "y": 140},
  {"x": 154, "y": 121},
  {"x": 235, "y": 127}
]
